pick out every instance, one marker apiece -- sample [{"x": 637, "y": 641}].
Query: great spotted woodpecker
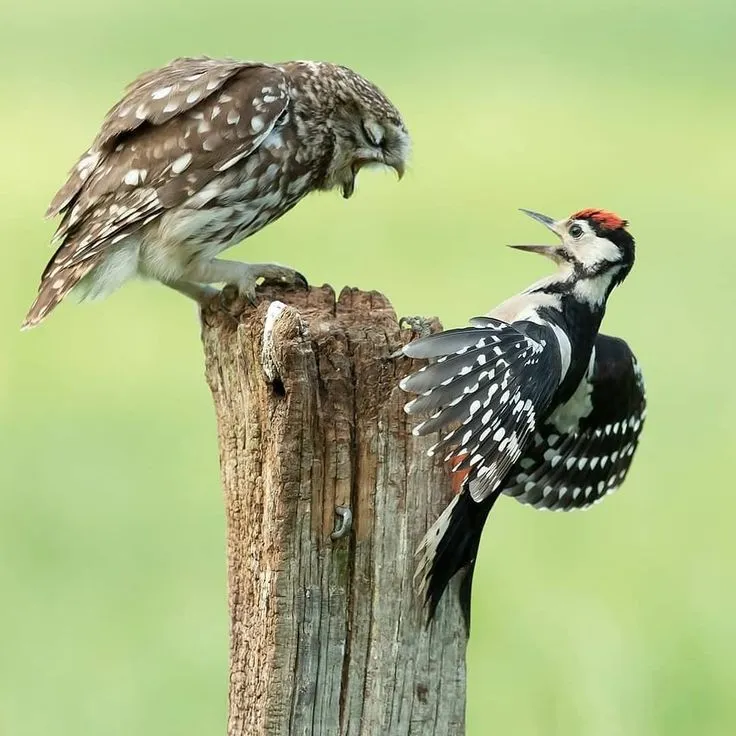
[{"x": 530, "y": 400}]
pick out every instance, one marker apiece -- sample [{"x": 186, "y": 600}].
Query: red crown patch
[{"x": 605, "y": 219}]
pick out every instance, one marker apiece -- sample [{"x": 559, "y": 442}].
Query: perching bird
[
  {"x": 531, "y": 400},
  {"x": 199, "y": 155}
]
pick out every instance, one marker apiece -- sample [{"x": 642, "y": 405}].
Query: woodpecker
[
  {"x": 530, "y": 400},
  {"x": 201, "y": 154}
]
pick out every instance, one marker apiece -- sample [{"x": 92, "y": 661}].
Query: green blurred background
[{"x": 618, "y": 621}]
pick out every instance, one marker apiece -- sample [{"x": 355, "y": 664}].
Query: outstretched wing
[
  {"x": 487, "y": 388},
  {"x": 574, "y": 469}
]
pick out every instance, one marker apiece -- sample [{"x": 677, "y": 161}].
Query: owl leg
[
  {"x": 199, "y": 292},
  {"x": 244, "y": 276}
]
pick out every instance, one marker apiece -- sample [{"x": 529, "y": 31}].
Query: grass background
[{"x": 619, "y": 621}]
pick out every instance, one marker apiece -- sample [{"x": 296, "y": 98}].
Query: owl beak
[
  {"x": 400, "y": 168},
  {"x": 348, "y": 187}
]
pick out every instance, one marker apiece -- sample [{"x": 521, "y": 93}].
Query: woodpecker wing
[
  {"x": 488, "y": 387},
  {"x": 574, "y": 469}
]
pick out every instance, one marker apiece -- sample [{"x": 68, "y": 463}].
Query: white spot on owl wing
[
  {"x": 132, "y": 177},
  {"x": 211, "y": 143},
  {"x": 181, "y": 163},
  {"x": 257, "y": 123},
  {"x": 141, "y": 112},
  {"x": 233, "y": 117},
  {"x": 171, "y": 106},
  {"x": 224, "y": 165},
  {"x": 161, "y": 92}
]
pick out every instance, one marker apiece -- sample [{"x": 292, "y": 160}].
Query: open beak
[
  {"x": 545, "y": 250},
  {"x": 348, "y": 188},
  {"x": 400, "y": 168},
  {"x": 548, "y": 222}
]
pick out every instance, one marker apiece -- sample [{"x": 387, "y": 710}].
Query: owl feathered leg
[{"x": 244, "y": 276}]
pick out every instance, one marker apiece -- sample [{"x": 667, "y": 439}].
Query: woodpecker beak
[
  {"x": 548, "y": 222},
  {"x": 551, "y": 251},
  {"x": 543, "y": 250}
]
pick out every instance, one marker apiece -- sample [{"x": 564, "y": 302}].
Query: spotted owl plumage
[{"x": 199, "y": 155}]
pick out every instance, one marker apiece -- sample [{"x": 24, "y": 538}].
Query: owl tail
[{"x": 56, "y": 283}]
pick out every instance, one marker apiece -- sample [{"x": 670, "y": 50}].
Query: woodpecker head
[{"x": 595, "y": 252}]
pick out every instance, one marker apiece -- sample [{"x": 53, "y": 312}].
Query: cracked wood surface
[{"x": 327, "y": 635}]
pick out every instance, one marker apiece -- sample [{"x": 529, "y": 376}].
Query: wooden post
[{"x": 327, "y": 495}]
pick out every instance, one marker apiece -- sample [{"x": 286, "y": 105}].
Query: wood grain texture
[{"x": 327, "y": 635}]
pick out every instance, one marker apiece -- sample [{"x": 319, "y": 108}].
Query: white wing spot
[
  {"x": 257, "y": 124},
  {"x": 194, "y": 95},
  {"x": 132, "y": 177},
  {"x": 181, "y": 163},
  {"x": 161, "y": 92},
  {"x": 233, "y": 117},
  {"x": 171, "y": 106},
  {"x": 141, "y": 112}
]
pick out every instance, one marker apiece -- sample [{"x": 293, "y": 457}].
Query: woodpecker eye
[{"x": 576, "y": 231}]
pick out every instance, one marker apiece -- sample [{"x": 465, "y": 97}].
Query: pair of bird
[{"x": 530, "y": 400}]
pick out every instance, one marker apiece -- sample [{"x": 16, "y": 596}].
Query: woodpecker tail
[{"x": 451, "y": 545}]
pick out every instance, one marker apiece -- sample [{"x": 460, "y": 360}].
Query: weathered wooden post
[{"x": 327, "y": 495}]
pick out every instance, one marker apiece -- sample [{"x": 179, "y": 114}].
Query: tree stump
[{"x": 327, "y": 495}]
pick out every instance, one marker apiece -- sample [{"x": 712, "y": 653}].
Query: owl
[{"x": 201, "y": 154}]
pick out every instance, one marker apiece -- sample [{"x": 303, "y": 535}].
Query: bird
[
  {"x": 531, "y": 400},
  {"x": 201, "y": 154}
]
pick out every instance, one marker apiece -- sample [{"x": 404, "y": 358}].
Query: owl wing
[{"x": 174, "y": 131}]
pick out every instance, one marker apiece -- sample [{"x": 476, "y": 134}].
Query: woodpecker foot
[
  {"x": 343, "y": 523},
  {"x": 419, "y": 326}
]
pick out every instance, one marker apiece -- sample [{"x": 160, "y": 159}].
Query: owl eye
[
  {"x": 576, "y": 231},
  {"x": 373, "y": 133}
]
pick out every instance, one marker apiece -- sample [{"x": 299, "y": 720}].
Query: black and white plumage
[
  {"x": 201, "y": 154},
  {"x": 530, "y": 400}
]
